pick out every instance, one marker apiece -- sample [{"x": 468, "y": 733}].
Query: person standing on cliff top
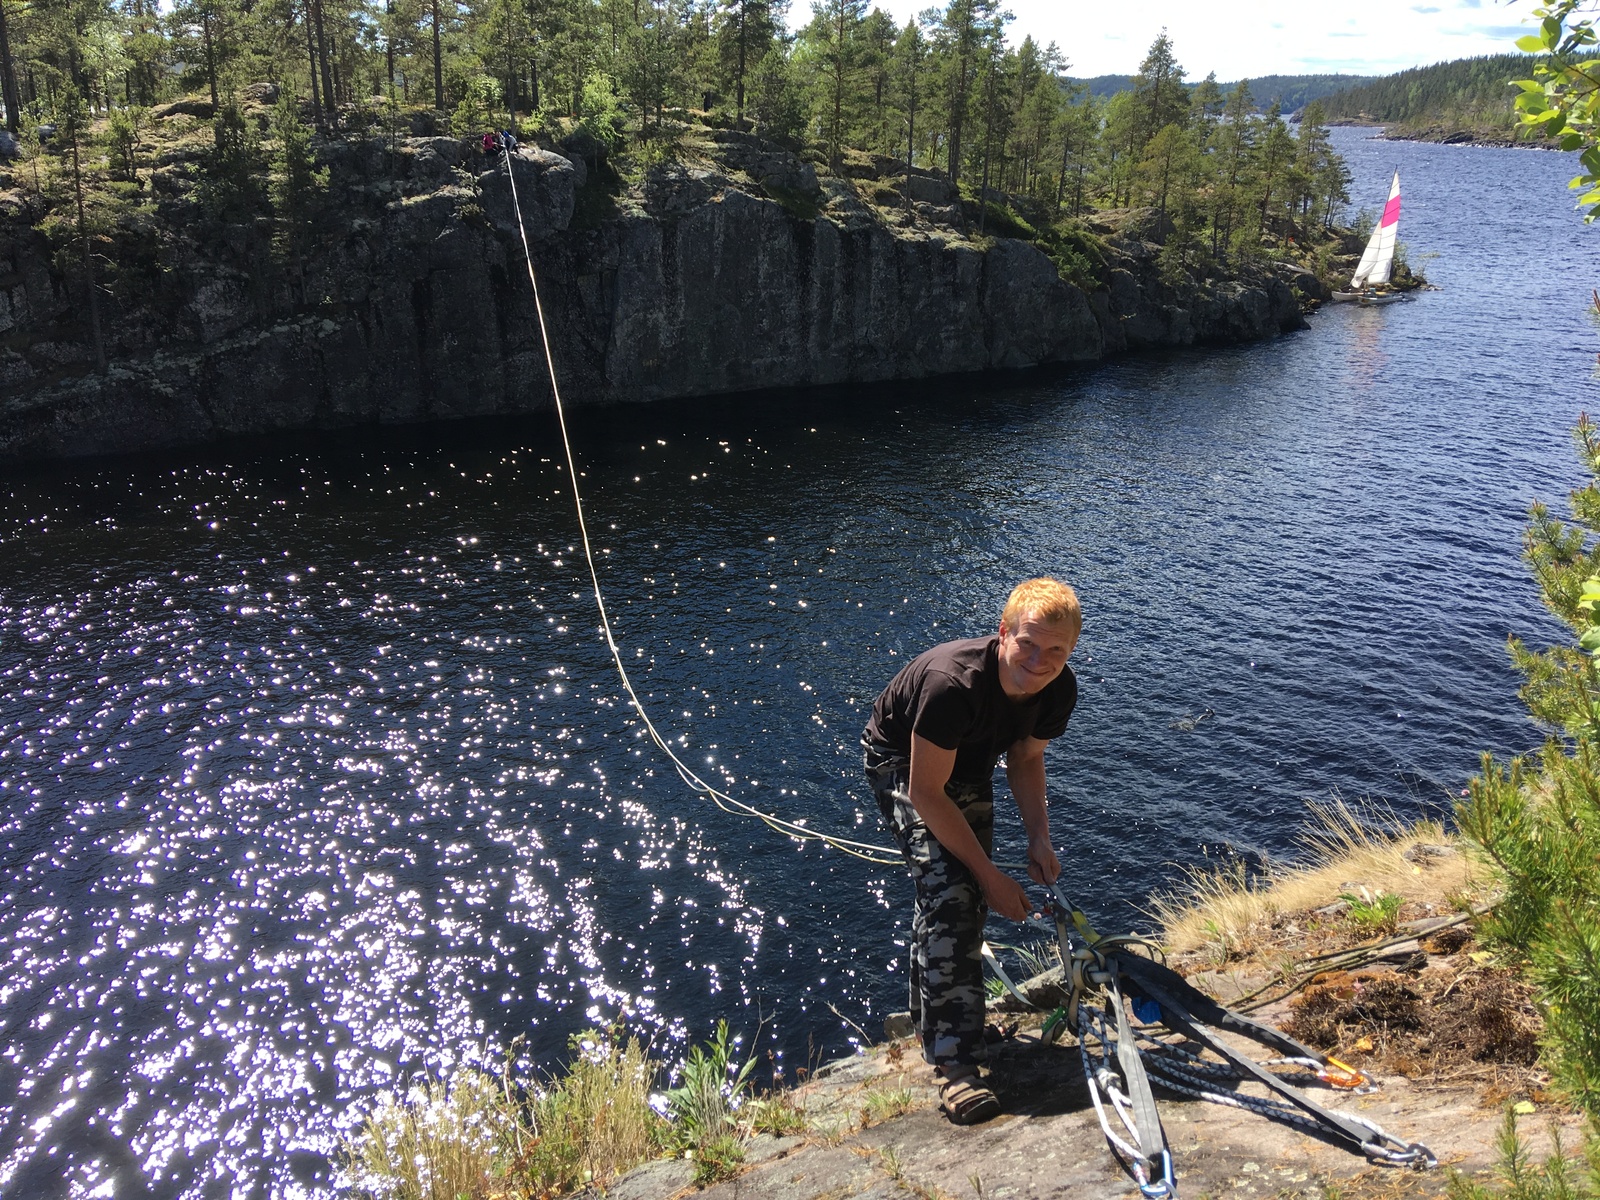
[{"x": 935, "y": 736}]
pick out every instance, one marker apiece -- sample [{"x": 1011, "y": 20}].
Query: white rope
[{"x": 881, "y": 855}]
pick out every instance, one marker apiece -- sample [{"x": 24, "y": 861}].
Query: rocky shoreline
[
  {"x": 729, "y": 268},
  {"x": 1449, "y": 135}
]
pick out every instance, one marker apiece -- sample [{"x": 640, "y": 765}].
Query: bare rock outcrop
[{"x": 736, "y": 269}]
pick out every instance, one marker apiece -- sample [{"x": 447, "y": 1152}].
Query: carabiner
[{"x": 1164, "y": 1189}]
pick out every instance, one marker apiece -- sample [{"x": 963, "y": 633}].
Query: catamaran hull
[{"x": 1366, "y": 300}]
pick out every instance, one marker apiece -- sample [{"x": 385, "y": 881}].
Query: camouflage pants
[{"x": 947, "y": 996}]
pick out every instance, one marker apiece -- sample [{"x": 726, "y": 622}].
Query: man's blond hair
[{"x": 1043, "y": 599}]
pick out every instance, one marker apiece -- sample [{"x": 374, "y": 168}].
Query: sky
[{"x": 1248, "y": 38}]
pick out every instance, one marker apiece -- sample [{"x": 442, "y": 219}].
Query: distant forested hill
[
  {"x": 1469, "y": 95},
  {"x": 1106, "y": 85},
  {"x": 1292, "y": 92}
]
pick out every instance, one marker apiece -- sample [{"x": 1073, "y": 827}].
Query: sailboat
[{"x": 1377, "y": 261}]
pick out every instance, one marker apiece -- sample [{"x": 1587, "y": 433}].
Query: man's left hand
[{"x": 1043, "y": 866}]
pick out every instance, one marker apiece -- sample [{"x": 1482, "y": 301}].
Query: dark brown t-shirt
[{"x": 951, "y": 695}]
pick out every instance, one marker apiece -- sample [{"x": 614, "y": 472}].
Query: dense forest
[
  {"x": 87, "y": 83},
  {"x": 1294, "y": 92},
  {"x": 1467, "y": 94}
]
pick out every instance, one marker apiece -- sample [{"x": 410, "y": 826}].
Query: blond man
[{"x": 936, "y": 734}]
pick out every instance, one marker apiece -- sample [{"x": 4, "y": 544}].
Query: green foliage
[
  {"x": 717, "y": 1159},
  {"x": 1466, "y": 93},
  {"x": 480, "y": 101},
  {"x": 712, "y": 1089},
  {"x": 230, "y": 185},
  {"x": 444, "y": 1139},
  {"x": 884, "y": 1104},
  {"x": 778, "y": 1115},
  {"x": 603, "y": 115},
  {"x": 595, "y": 1121},
  {"x": 1538, "y": 819},
  {"x": 1000, "y": 221},
  {"x": 122, "y": 136},
  {"x": 1079, "y": 255},
  {"x": 1563, "y": 97},
  {"x": 1557, "y": 1178},
  {"x": 776, "y": 104},
  {"x": 298, "y": 185},
  {"x": 1373, "y": 914}
]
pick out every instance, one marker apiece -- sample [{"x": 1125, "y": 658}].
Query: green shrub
[
  {"x": 713, "y": 1087},
  {"x": 1373, "y": 914},
  {"x": 602, "y": 110},
  {"x": 1538, "y": 818},
  {"x": 480, "y": 100},
  {"x": 123, "y": 141},
  {"x": 777, "y": 1115},
  {"x": 718, "y": 1159},
  {"x": 1000, "y": 221},
  {"x": 1555, "y": 1179},
  {"x": 596, "y": 1121}
]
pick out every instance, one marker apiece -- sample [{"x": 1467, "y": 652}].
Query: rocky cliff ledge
[{"x": 730, "y": 268}]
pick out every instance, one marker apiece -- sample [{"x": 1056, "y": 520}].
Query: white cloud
[{"x": 1245, "y": 38}]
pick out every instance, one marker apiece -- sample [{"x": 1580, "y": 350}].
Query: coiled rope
[
  {"x": 1121, "y": 1063},
  {"x": 879, "y": 855}
]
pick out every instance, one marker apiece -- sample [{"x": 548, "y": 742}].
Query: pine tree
[
  {"x": 831, "y": 46},
  {"x": 746, "y": 30},
  {"x": 1159, "y": 92}
]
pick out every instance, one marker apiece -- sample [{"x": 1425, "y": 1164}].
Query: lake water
[{"x": 315, "y": 775}]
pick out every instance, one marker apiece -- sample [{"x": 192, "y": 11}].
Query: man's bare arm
[
  {"x": 930, "y": 771},
  {"x": 1025, "y": 773}
]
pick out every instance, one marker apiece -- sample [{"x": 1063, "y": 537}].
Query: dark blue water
[{"x": 315, "y": 775}]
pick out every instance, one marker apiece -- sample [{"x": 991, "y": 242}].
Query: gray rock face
[{"x": 413, "y": 303}]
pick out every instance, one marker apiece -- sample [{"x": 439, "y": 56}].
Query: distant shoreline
[{"x": 1446, "y": 136}]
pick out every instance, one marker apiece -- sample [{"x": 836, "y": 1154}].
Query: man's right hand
[{"x": 1004, "y": 896}]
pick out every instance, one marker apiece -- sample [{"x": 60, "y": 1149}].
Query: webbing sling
[{"x": 1110, "y": 963}]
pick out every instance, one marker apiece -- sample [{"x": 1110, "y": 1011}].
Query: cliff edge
[{"x": 730, "y": 267}]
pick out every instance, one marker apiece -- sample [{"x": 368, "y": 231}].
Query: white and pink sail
[{"x": 1378, "y": 258}]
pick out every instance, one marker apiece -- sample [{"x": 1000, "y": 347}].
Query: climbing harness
[
  {"x": 1176, "y": 1046},
  {"x": 881, "y": 855},
  {"x": 1119, "y": 1062}
]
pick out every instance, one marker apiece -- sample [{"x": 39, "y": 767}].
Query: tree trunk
[
  {"x": 438, "y": 60},
  {"x": 311, "y": 55},
  {"x": 738, "y": 79},
  {"x": 328, "y": 94},
  {"x": 211, "y": 59},
  {"x": 388, "y": 42},
  {"x": 511, "y": 81},
  {"x": 834, "y": 157},
  {"x": 88, "y": 263},
  {"x": 988, "y": 145},
  {"x": 911, "y": 132},
  {"x": 8, "y": 77}
]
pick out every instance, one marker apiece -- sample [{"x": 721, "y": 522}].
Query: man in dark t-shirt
[{"x": 935, "y": 736}]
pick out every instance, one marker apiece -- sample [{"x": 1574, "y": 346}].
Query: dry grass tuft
[
  {"x": 473, "y": 1137},
  {"x": 1348, "y": 848}
]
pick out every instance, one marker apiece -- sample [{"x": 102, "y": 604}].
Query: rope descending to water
[{"x": 881, "y": 855}]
